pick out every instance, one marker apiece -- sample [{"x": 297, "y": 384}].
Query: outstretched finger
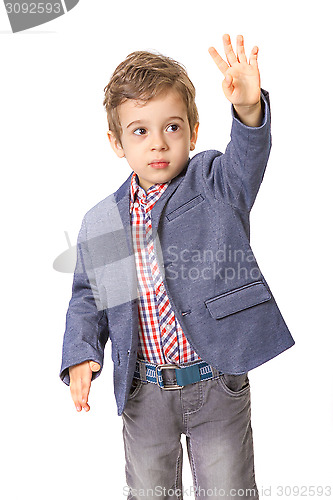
[
  {"x": 229, "y": 51},
  {"x": 240, "y": 49},
  {"x": 253, "y": 60},
  {"x": 75, "y": 390},
  {"x": 220, "y": 63},
  {"x": 85, "y": 395}
]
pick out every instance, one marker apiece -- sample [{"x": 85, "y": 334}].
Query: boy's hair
[{"x": 142, "y": 76}]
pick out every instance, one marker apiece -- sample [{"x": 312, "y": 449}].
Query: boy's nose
[{"x": 158, "y": 142}]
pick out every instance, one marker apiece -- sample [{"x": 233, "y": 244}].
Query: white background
[{"x": 56, "y": 163}]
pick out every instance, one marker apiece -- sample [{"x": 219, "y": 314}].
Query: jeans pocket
[
  {"x": 234, "y": 385},
  {"x": 135, "y": 388}
]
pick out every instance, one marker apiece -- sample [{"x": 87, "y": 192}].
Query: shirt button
[
  {"x": 136, "y": 204},
  {"x": 168, "y": 328}
]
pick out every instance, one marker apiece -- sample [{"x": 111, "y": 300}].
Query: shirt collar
[{"x": 149, "y": 198}]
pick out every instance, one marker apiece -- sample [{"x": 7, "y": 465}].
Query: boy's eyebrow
[{"x": 170, "y": 118}]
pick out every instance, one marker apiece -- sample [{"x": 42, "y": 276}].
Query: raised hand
[{"x": 241, "y": 84}]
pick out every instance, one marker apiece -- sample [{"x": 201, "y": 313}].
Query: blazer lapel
[
  {"x": 120, "y": 280},
  {"x": 159, "y": 205},
  {"x": 120, "y": 219},
  {"x": 122, "y": 199}
]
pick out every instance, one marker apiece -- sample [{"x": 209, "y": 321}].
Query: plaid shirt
[{"x": 161, "y": 339}]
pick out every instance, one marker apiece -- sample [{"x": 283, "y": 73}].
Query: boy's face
[{"x": 156, "y": 137}]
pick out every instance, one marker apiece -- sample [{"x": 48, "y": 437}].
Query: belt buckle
[{"x": 165, "y": 367}]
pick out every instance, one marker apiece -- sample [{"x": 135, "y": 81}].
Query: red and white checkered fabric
[{"x": 161, "y": 339}]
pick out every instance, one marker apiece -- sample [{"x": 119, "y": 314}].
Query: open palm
[{"x": 241, "y": 84}]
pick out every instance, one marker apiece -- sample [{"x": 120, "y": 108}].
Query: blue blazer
[{"x": 202, "y": 239}]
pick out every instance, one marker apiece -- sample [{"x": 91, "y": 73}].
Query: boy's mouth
[{"x": 159, "y": 164}]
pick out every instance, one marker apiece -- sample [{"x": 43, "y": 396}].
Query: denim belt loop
[
  {"x": 143, "y": 374},
  {"x": 215, "y": 372}
]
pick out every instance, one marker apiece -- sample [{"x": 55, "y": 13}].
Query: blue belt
[{"x": 184, "y": 374}]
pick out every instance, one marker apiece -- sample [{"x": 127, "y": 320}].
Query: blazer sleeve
[
  {"x": 86, "y": 331},
  {"x": 237, "y": 174}
]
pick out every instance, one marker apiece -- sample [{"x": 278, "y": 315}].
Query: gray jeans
[{"x": 214, "y": 415}]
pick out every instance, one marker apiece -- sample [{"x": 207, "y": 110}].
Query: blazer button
[{"x": 128, "y": 352}]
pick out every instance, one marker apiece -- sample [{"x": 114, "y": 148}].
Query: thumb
[
  {"x": 227, "y": 85},
  {"x": 94, "y": 366}
]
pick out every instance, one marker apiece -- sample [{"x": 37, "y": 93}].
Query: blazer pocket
[
  {"x": 184, "y": 208},
  {"x": 237, "y": 300}
]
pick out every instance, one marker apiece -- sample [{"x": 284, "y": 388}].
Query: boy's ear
[
  {"x": 115, "y": 144},
  {"x": 194, "y": 136}
]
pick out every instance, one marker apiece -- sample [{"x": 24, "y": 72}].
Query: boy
[{"x": 165, "y": 269}]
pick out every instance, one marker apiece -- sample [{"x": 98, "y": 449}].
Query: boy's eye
[
  {"x": 173, "y": 127},
  {"x": 139, "y": 131}
]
